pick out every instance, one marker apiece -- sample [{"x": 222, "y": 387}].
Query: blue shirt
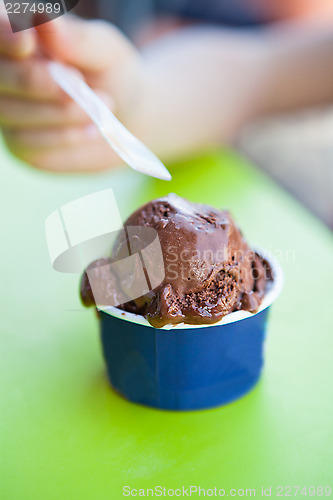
[{"x": 128, "y": 13}]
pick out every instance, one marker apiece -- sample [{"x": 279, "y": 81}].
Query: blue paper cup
[{"x": 186, "y": 367}]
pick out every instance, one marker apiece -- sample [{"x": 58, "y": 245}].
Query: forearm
[
  {"x": 299, "y": 66},
  {"x": 201, "y": 85}
]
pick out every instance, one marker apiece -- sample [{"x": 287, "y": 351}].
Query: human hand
[{"x": 43, "y": 126}]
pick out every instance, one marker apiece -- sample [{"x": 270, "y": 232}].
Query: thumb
[{"x": 89, "y": 45}]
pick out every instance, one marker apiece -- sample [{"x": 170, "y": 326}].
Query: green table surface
[{"x": 66, "y": 435}]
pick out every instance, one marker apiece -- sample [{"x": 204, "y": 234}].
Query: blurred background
[{"x": 296, "y": 149}]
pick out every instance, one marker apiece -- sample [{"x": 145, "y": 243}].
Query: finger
[
  {"x": 16, "y": 45},
  {"x": 47, "y": 138},
  {"x": 29, "y": 78},
  {"x": 88, "y": 156},
  {"x": 89, "y": 45},
  {"x": 23, "y": 113}
]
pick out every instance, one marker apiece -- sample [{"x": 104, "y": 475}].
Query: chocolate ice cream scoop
[{"x": 210, "y": 270}]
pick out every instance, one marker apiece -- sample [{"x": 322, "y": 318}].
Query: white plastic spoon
[{"x": 128, "y": 147}]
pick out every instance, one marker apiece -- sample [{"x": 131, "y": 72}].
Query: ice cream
[{"x": 209, "y": 268}]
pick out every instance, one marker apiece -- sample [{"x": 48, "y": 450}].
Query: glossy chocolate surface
[{"x": 210, "y": 270}]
